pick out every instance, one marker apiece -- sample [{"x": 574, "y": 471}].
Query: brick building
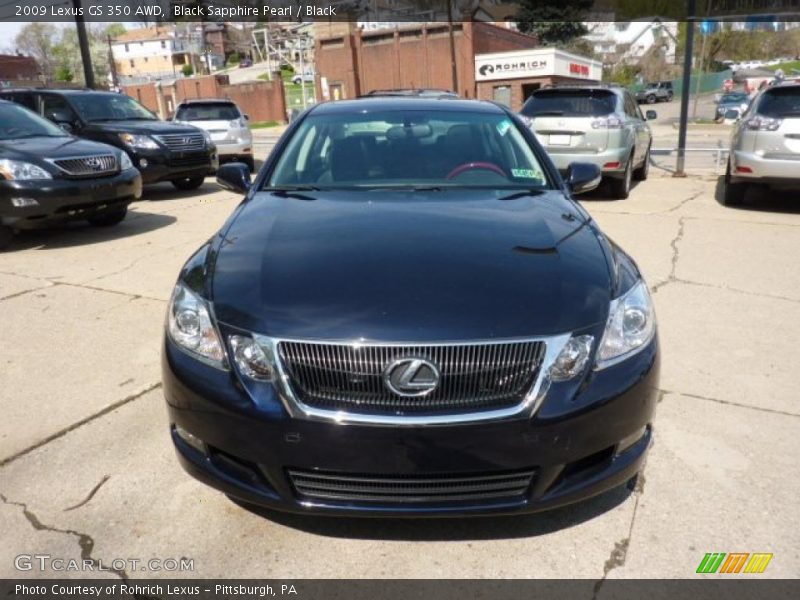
[
  {"x": 352, "y": 62},
  {"x": 18, "y": 69}
]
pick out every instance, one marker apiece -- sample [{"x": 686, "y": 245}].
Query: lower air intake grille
[{"x": 402, "y": 489}]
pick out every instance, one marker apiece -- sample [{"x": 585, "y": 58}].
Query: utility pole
[
  {"x": 699, "y": 70},
  {"x": 83, "y": 43},
  {"x": 454, "y": 73},
  {"x": 687, "y": 74},
  {"x": 112, "y": 65}
]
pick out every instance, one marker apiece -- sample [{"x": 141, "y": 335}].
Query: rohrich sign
[{"x": 541, "y": 62}]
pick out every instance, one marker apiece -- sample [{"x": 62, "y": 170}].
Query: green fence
[{"x": 709, "y": 82}]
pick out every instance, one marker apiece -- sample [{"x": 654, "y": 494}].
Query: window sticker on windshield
[
  {"x": 525, "y": 173},
  {"x": 503, "y": 126}
]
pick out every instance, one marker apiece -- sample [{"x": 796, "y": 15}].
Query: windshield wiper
[
  {"x": 292, "y": 191},
  {"x": 523, "y": 194}
]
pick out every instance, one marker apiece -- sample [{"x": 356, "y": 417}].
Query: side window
[
  {"x": 27, "y": 100},
  {"x": 630, "y": 107},
  {"x": 56, "y": 109}
]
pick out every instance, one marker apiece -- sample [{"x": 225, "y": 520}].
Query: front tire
[
  {"x": 188, "y": 183},
  {"x": 641, "y": 173},
  {"x": 6, "y": 235},
  {"x": 621, "y": 187},
  {"x": 651, "y": 99},
  {"x": 733, "y": 193}
]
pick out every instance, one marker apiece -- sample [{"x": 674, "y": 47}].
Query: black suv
[
  {"x": 162, "y": 151},
  {"x": 48, "y": 175}
]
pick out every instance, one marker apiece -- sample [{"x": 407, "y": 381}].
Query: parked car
[
  {"x": 245, "y": 62},
  {"x": 47, "y": 176},
  {"x": 765, "y": 144},
  {"x": 599, "y": 124},
  {"x": 162, "y": 151},
  {"x": 736, "y": 101},
  {"x": 409, "y": 314},
  {"x": 307, "y": 76},
  {"x": 656, "y": 91},
  {"x": 225, "y": 123}
]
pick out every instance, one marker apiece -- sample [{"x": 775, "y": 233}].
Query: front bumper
[
  {"x": 231, "y": 151},
  {"x": 618, "y": 156},
  {"x": 764, "y": 170},
  {"x": 65, "y": 199},
  {"x": 163, "y": 165},
  {"x": 584, "y": 439}
]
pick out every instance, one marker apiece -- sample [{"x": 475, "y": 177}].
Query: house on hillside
[
  {"x": 628, "y": 42},
  {"x": 154, "y": 53}
]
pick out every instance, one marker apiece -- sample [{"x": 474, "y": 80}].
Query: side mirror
[
  {"x": 246, "y": 117},
  {"x": 234, "y": 177},
  {"x": 66, "y": 127},
  {"x": 651, "y": 115},
  {"x": 583, "y": 177}
]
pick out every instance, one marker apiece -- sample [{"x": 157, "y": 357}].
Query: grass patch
[
  {"x": 788, "y": 67},
  {"x": 264, "y": 124}
]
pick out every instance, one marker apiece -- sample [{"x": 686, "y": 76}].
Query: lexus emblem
[
  {"x": 187, "y": 141},
  {"x": 94, "y": 163},
  {"x": 411, "y": 377}
]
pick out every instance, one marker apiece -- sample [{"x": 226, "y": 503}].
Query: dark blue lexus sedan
[{"x": 409, "y": 314}]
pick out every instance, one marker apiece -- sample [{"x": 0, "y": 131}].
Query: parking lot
[{"x": 87, "y": 470}]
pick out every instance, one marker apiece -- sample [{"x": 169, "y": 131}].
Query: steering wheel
[{"x": 468, "y": 166}]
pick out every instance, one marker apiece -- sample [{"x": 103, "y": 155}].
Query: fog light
[
  {"x": 631, "y": 439},
  {"x": 572, "y": 359},
  {"x": 24, "y": 202},
  {"x": 250, "y": 358},
  {"x": 191, "y": 439},
  {"x": 143, "y": 163},
  {"x": 741, "y": 169}
]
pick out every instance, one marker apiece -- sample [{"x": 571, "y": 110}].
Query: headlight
[
  {"x": 572, "y": 359},
  {"x": 250, "y": 358},
  {"x": 209, "y": 141},
  {"x": 138, "y": 141},
  {"x": 189, "y": 325},
  {"x": 125, "y": 162},
  {"x": 22, "y": 171},
  {"x": 630, "y": 327}
]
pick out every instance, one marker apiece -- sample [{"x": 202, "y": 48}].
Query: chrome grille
[
  {"x": 181, "y": 142},
  {"x": 88, "y": 166},
  {"x": 472, "y": 377},
  {"x": 399, "y": 489}
]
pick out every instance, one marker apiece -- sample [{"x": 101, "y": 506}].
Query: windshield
[
  {"x": 570, "y": 103},
  {"x": 212, "y": 111},
  {"x": 733, "y": 98},
  {"x": 408, "y": 148},
  {"x": 780, "y": 102},
  {"x": 17, "y": 122},
  {"x": 109, "y": 107}
]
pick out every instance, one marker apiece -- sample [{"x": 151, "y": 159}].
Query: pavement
[{"x": 87, "y": 471}]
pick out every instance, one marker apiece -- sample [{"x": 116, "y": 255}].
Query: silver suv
[
  {"x": 228, "y": 127},
  {"x": 765, "y": 146},
  {"x": 598, "y": 124}
]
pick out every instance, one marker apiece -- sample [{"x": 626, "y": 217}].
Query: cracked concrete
[{"x": 87, "y": 470}]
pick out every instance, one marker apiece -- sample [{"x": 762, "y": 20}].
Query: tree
[
  {"x": 37, "y": 40},
  {"x": 551, "y": 23}
]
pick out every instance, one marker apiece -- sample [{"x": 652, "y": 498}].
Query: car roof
[
  {"x": 388, "y": 103},
  {"x": 206, "y": 101}
]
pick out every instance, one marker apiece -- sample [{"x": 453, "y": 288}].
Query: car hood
[
  {"x": 143, "y": 126},
  {"x": 409, "y": 266},
  {"x": 52, "y": 147}
]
